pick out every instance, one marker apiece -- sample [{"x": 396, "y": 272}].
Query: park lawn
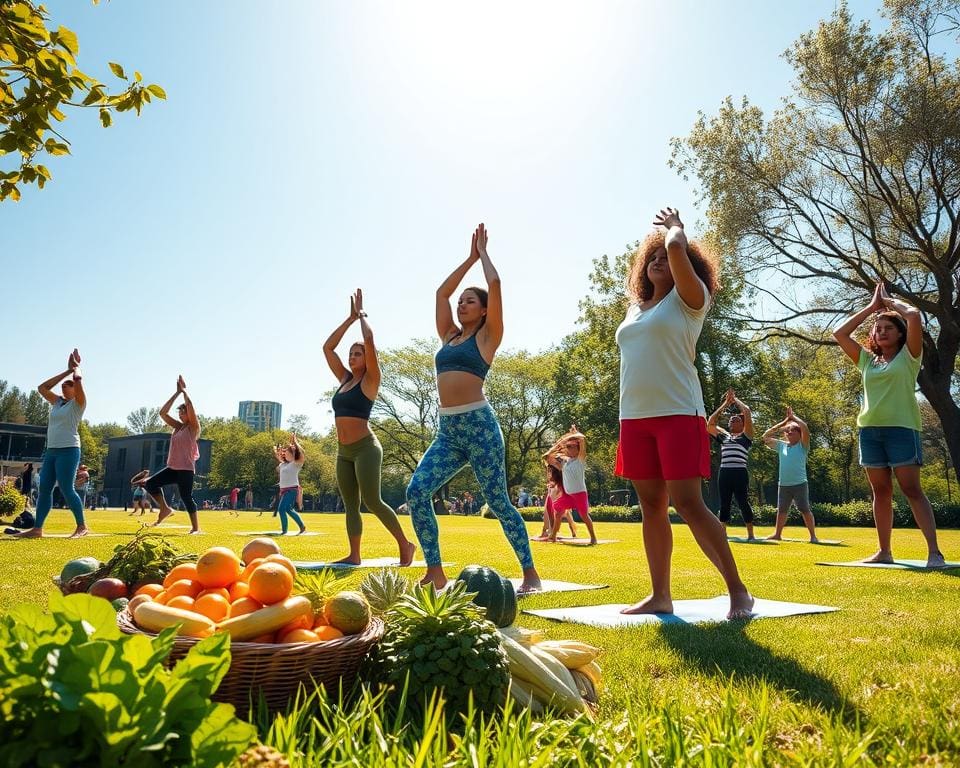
[{"x": 882, "y": 675}]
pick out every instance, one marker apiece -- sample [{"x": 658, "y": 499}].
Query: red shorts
[
  {"x": 663, "y": 448},
  {"x": 578, "y": 501}
]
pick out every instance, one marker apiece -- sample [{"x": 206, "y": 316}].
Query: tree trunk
[{"x": 935, "y": 380}]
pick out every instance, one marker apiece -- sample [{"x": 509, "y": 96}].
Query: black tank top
[{"x": 352, "y": 402}]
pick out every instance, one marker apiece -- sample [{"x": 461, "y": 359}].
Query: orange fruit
[
  {"x": 181, "y": 601},
  {"x": 222, "y": 591},
  {"x": 270, "y": 583},
  {"x": 258, "y": 548},
  {"x": 237, "y": 590},
  {"x": 149, "y": 589},
  {"x": 298, "y": 636},
  {"x": 245, "y": 575},
  {"x": 218, "y": 567},
  {"x": 183, "y": 587},
  {"x": 320, "y": 620},
  {"x": 324, "y": 632},
  {"x": 182, "y": 571},
  {"x": 161, "y": 598},
  {"x": 244, "y": 606},
  {"x": 286, "y": 562},
  {"x": 303, "y": 621},
  {"x": 215, "y": 607},
  {"x": 270, "y": 637}
]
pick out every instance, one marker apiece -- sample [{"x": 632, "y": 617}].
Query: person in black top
[
  {"x": 26, "y": 483},
  {"x": 733, "y": 479}
]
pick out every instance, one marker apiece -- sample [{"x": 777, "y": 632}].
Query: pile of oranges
[{"x": 221, "y": 586}]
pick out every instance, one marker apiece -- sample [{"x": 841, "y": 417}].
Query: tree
[
  {"x": 299, "y": 423},
  {"x": 36, "y": 409},
  {"x": 12, "y": 404},
  {"x": 855, "y": 179},
  {"x": 144, "y": 420},
  {"x": 38, "y": 78}
]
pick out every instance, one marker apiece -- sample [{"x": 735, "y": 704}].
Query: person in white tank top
[{"x": 291, "y": 458}]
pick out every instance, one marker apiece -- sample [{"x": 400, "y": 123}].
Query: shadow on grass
[{"x": 725, "y": 650}]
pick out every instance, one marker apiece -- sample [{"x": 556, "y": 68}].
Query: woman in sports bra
[
  {"x": 359, "y": 453},
  {"x": 469, "y": 432}
]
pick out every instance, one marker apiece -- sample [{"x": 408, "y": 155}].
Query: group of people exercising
[{"x": 663, "y": 447}]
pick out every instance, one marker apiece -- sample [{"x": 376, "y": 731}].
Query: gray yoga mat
[
  {"x": 684, "y": 612},
  {"x": 367, "y": 562},
  {"x": 745, "y": 540},
  {"x": 275, "y": 533},
  {"x": 583, "y": 542},
  {"x": 818, "y": 542},
  {"x": 550, "y": 585},
  {"x": 898, "y": 565}
]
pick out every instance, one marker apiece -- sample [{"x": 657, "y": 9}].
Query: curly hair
[
  {"x": 639, "y": 287},
  {"x": 897, "y": 320}
]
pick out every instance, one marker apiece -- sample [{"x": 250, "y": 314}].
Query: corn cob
[
  {"x": 585, "y": 686},
  {"x": 593, "y": 671},
  {"x": 526, "y": 637},
  {"x": 561, "y": 672},
  {"x": 544, "y": 684},
  {"x": 571, "y": 653},
  {"x": 522, "y": 693}
]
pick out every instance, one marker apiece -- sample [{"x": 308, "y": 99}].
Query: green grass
[{"x": 877, "y": 683}]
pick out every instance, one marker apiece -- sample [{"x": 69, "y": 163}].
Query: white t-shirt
[
  {"x": 574, "y": 476},
  {"x": 658, "y": 347},
  {"x": 289, "y": 474}
]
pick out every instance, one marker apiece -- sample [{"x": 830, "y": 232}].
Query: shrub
[
  {"x": 603, "y": 513},
  {"x": 12, "y": 502}
]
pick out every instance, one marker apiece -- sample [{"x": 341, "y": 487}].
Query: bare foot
[
  {"x": 741, "y": 606},
  {"x": 880, "y": 557},
  {"x": 348, "y": 560},
  {"x": 163, "y": 516},
  {"x": 936, "y": 560},
  {"x": 194, "y": 532},
  {"x": 530, "y": 585},
  {"x": 814, "y": 540},
  {"x": 774, "y": 537},
  {"x": 407, "y": 551},
  {"x": 439, "y": 581},
  {"x": 751, "y": 538},
  {"x": 650, "y": 604},
  {"x": 303, "y": 528},
  {"x": 82, "y": 530},
  {"x": 30, "y": 533},
  {"x": 593, "y": 541}
]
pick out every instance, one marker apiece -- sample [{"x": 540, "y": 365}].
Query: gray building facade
[
  {"x": 128, "y": 455},
  {"x": 21, "y": 444}
]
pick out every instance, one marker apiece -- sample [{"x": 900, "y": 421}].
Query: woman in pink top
[{"x": 181, "y": 460}]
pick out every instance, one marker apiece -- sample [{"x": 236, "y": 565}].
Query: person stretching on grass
[
  {"x": 551, "y": 518},
  {"x": 733, "y": 478},
  {"x": 889, "y": 418},
  {"x": 291, "y": 458},
  {"x": 139, "y": 495},
  {"x": 61, "y": 458},
  {"x": 469, "y": 432},
  {"x": 793, "y": 488},
  {"x": 181, "y": 458},
  {"x": 359, "y": 453},
  {"x": 567, "y": 455},
  {"x": 664, "y": 449}
]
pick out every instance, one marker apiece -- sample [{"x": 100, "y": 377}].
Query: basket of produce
[{"x": 280, "y": 640}]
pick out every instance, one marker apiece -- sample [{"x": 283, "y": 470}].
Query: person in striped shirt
[{"x": 733, "y": 479}]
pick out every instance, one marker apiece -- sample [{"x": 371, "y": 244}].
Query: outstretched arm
[
  {"x": 445, "y": 325},
  {"x": 804, "y": 430},
  {"x": 712, "y": 427},
  {"x": 296, "y": 444},
  {"x": 46, "y": 388},
  {"x": 747, "y": 416},
  {"x": 371, "y": 379},
  {"x": 914, "y": 321},
  {"x": 165, "y": 410},
  {"x": 330, "y": 345},
  {"x": 687, "y": 282},
  {"x": 191, "y": 421},
  {"x": 843, "y": 333},
  {"x": 768, "y": 436},
  {"x": 493, "y": 327}
]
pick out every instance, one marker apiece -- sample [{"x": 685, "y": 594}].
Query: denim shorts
[{"x": 889, "y": 447}]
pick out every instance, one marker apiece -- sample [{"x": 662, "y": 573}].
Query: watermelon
[
  {"x": 494, "y": 593},
  {"x": 79, "y": 567},
  {"x": 119, "y": 604}
]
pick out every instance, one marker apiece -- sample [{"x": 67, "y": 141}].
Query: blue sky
[{"x": 308, "y": 148}]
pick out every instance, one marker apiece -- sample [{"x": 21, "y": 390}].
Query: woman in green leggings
[{"x": 359, "y": 455}]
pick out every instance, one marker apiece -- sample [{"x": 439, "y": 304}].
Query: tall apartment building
[{"x": 260, "y": 415}]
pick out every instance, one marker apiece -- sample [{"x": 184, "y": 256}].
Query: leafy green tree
[
  {"x": 299, "y": 423},
  {"x": 855, "y": 179},
  {"x": 144, "y": 420},
  {"x": 36, "y": 409},
  {"x": 12, "y": 404},
  {"x": 39, "y": 78}
]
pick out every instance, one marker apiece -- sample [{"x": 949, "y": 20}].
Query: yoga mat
[
  {"x": 66, "y": 536},
  {"x": 745, "y": 540},
  {"x": 169, "y": 525},
  {"x": 549, "y": 585},
  {"x": 898, "y": 565},
  {"x": 275, "y": 533},
  {"x": 819, "y": 542},
  {"x": 584, "y": 542},
  {"x": 367, "y": 562},
  {"x": 685, "y": 612}
]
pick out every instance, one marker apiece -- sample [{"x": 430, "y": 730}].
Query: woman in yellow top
[{"x": 889, "y": 419}]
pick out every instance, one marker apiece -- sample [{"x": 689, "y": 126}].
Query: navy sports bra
[
  {"x": 464, "y": 357},
  {"x": 352, "y": 402}
]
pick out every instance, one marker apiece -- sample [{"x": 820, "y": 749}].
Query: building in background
[
  {"x": 21, "y": 444},
  {"x": 128, "y": 455},
  {"x": 260, "y": 415}
]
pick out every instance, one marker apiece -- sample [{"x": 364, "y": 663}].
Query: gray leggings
[{"x": 358, "y": 476}]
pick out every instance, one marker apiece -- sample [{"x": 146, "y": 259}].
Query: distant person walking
[
  {"x": 139, "y": 494},
  {"x": 82, "y": 482},
  {"x": 733, "y": 479},
  {"x": 61, "y": 459},
  {"x": 291, "y": 458},
  {"x": 181, "y": 458},
  {"x": 889, "y": 418},
  {"x": 26, "y": 484},
  {"x": 359, "y": 453},
  {"x": 248, "y": 499},
  {"x": 793, "y": 488},
  {"x": 234, "y": 500}
]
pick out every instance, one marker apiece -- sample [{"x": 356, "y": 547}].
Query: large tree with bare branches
[{"x": 855, "y": 179}]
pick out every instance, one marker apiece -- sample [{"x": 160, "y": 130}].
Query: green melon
[
  {"x": 119, "y": 604},
  {"x": 79, "y": 567},
  {"x": 347, "y": 611},
  {"x": 494, "y": 593}
]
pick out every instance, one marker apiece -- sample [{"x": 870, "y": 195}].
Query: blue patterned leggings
[{"x": 472, "y": 438}]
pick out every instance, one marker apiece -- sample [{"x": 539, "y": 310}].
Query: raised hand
[
  {"x": 480, "y": 241},
  {"x": 73, "y": 362},
  {"x": 789, "y": 415},
  {"x": 730, "y": 397},
  {"x": 356, "y": 302},
  {"x": 181, "y": 385},
  {"x": 668, "y": 217},
  {"x": 877, "y": 303}
]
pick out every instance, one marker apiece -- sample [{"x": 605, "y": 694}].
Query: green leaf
[
  {"x": 137, "y": 76},
  {"x": 117, "y": 70},
  {"x": 68, "y": 39},
  {"x": 157, "y": 91},
  {"x": 105, "y": 118}
]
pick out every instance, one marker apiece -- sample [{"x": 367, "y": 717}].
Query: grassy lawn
[{"x": 880, "y": 675}]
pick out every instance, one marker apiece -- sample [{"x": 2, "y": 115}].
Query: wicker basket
[{"x": 276, "y": 671}]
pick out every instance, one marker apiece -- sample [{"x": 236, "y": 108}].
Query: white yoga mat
[
  {"x": 898, "y": 565},
  {"x": 65, "y": 536},
  {"x": 367, "y": 562},
  {"x": 745, "y": 540},
  {"x": 818, "y": 542},
  {"x": 578, "y": 542},
  {"x": 684, "y": 612},
  {"x": 548, "y": 585},
  {"x": 170, "y": 526},
  {"x": 276, "y": 533}
]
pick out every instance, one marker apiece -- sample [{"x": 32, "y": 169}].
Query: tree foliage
[
  {"x": 39, "y": 79},
  {"x": 19, "y": 407},
  {"x": 144, "y": 420}
]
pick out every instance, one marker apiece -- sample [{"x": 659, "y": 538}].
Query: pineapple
[
  {"x": 261, "y": 756},
  {"x": 441, "y": 642},
  {"x": 383, "y": 589}
]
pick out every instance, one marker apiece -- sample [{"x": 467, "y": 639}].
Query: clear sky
[{"x": 308, "y": 148}]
